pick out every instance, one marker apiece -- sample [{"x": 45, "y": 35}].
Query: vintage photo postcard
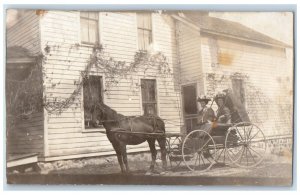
[{"x": 149, "y": 97}]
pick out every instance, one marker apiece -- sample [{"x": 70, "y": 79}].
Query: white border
[{"x": 145, "y": 189}]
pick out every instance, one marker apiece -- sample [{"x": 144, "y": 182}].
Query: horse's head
[
  {"x": 103, "y": 113},
  {"x": 98, "y": 114}
]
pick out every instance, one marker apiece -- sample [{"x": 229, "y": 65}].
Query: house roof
[
  {"x": 16, "y": 54},
  {"x": 213, "y": 25}
]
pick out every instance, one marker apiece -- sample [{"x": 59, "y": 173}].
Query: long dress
[
  {"x": 205, "y": 116},
  {"x": 223, "y": 122}
]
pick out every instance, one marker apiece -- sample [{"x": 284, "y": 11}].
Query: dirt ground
[
  {"x": 272, "y": 166},
  {"x": 274, "y": 170}
]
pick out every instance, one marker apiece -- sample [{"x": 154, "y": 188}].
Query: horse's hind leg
[
  {"x": 151, "y": 143},
  {"x": 163, "y": 150}
]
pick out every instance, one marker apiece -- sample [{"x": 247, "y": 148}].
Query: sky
[{"x": 278, "y": 25}]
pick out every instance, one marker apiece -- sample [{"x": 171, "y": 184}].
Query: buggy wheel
[
  {"x": 245, "y": 145},
  {"x": 220, "y": 155},
  {"x": 196, "y": 151},
  {"x": 174, "y": 155}
]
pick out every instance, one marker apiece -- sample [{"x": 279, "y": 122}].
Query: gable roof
[
  {"x": 18, "y": 55},
  {"x": 212, "y": 25}
]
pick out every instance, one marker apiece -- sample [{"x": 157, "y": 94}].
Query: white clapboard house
[{"x": 204, "y": 54}]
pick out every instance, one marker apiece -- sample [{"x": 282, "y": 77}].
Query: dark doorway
[{"x": 189, "y": 96}]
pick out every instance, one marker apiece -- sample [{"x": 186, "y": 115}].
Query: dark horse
[{"x": 131, "y": 130}]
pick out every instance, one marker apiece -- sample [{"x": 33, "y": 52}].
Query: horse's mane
[{"x": 112, "y": 112}]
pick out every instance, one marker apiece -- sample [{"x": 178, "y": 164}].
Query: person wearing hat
[
  {"x": 206, "y": 115},
  {"x": 205, "y": 118},
  {"x": 223, "y": 112}
]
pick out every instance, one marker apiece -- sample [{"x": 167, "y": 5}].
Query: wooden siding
[
  {"x": 270, "y": 77},
  {"x": 25, "y": 33},
  {"x": 27, "y": 136},
  {"x": 118, "y": 34},
  {"x": 189, "y": 52}
]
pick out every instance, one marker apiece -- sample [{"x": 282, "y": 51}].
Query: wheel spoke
[
  {"x": 208, "y": 160},
  {"x": 240, "y": 134},
  {"x": 250, "y": 132},
  {"x": 245, "y": 133},
  {"x": 220, "y": 154},
  {"x": 240, "y": 150},
  {"x": 231, "y": 152},
  {"x": 251, "y": 155},
  {"x": 241, "y": 157},
  {"x": 202, "y": 159},
  {"x": 204, "y": 145},
  {"x": 254, "y": 135},
  {"x": 197, "y": 156},
  {"x": 256, "y": 152},
  {"x": 236, "y": 154},
  {"x": 246, "y": 156},
  {"x": 173, "y": 142}
]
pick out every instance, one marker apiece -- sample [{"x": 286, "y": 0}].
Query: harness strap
[
  {"x": 130, "y": 124},
  {"x": 154, "y": 124}
]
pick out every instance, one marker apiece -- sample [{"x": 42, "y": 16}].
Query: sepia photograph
[{"x": 149, "y": 97}]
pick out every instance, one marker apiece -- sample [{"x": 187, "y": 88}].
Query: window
[
  {"x": 89, "y": 27},
  {"x": 238, "y": 90},
  {"x": 92, "y": 94},
  {"x": 144, "y": 26},
  {"x": 149, "y": 98}
]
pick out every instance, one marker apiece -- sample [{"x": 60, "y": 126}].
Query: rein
[
  {"x": 119, "y": 117},
  {"x": 130, "y": 117}
]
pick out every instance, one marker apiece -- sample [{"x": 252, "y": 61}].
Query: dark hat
[
  {"x": 219, "y": 95},
  {"x": 203, "y": 98}
]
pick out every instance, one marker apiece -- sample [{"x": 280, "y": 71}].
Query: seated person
[
  {"x": 223, "y": 115},
  {"x": 206, "y": 115}
]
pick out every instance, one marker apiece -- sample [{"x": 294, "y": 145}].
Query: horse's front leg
[
  {"x": 124, "y": 156},
  {"x": 151, "y": 143},
  {"x": 120, "y": 160},
  {"x": 118, "y": 150}
]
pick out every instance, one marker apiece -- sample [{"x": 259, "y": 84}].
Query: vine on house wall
[
  {"x": 258, "y": 104},
  {"x": 286, "y": 99},
  {"x": 29, "y": 98},
  {"x": 25, "y": 97}
]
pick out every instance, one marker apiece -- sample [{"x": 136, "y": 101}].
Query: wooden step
[{"x": 14, "y": 160}]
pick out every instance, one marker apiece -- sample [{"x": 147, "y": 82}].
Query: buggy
[{"x": 242, "y": 143}]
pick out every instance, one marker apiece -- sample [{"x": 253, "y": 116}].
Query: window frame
[
  {"x": 156, "y": 96},
  {"x": 185, "y": 116},
  {"x": 243, "y": 86},
  {"x": 195, "y": 85},
  {"x": 144, "y": 29},
  {"x": 98, "y": 28},
  {"x": 99, "y": 129}
]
